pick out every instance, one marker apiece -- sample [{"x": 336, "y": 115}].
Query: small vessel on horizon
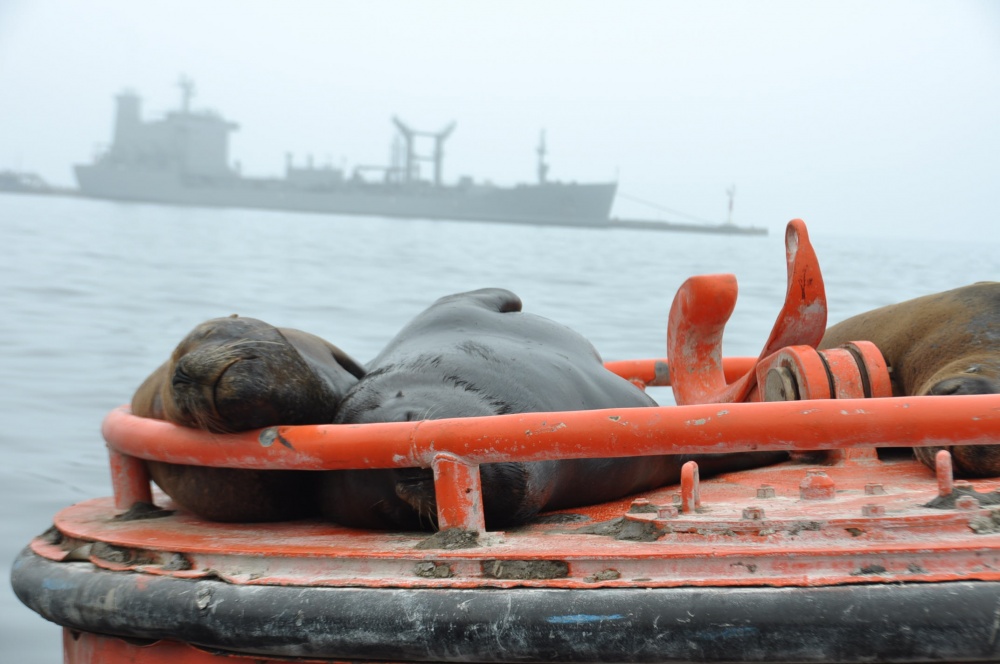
[{"x": 183, "y": 159}]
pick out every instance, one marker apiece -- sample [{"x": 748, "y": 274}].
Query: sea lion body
[
  {"x": 946, "y": 343},
  {"x": 237, "y": 374},
  {"x": 473, "y": 354}
]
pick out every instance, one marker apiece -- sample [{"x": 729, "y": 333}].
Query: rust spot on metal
[
  {"x": 121, "y": 555},
  {"x": 626, "y": 529},
  {"x": 432, "y": 570},
  {"x": 271, "y": 434},
  {"x": 525, "y": 569},
  {"x": 142, "y": 510},
  {"x": 642, "y": 506},
  {"x": 452, "y": 538},
  {"x": 268, "y": 436},
  {"x": 604, "y": 575},
  {"x": 177, "y": 562},
  {"x": 869, "y": 570}
]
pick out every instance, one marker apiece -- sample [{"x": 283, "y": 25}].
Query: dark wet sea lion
[
  {"x": 946, "y": 343},
  {"x": 237, "y": 374},
  {"x": 475, "y": 354}
]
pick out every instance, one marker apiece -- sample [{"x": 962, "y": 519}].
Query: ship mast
[
  {"x": 731, "y": 192},
  {"x": 187, "y": 93},
  {"x": 410, "y": 172},
  {"x": 543, "y": 168}
]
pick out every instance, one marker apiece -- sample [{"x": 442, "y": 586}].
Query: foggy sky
[{"x": 867, "y": 118}]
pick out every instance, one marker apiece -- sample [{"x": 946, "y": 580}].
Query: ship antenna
[
  {"x": 732, "y": 194},
  {"x": 187, "y": 92},
  {"x": 543, "y": 168}
]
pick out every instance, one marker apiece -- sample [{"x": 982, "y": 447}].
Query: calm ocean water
[{"x": 95, "y": 295}]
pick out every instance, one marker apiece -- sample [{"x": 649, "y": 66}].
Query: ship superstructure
[{"x": 183, "y": 158}]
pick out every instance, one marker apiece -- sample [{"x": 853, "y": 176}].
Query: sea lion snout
[
  {"x": 969, "y": 384},
  {"x": 415, "y": 487}
]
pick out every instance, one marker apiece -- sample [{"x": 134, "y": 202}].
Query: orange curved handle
[{"x": 704, "y": 304}]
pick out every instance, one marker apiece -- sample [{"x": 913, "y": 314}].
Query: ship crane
[{"x": 410, "y": 171}]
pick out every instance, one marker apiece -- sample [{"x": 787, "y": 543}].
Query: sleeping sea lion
[
  {"x": 237, "y": 374},
  {"x": 946, "y": 343},
  {"x": 473, "y": 354}
]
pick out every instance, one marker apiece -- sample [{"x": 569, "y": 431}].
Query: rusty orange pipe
[{"x": 706, "y": 428}]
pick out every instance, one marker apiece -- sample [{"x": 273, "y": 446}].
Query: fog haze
[{"x": 864, "y": 118}]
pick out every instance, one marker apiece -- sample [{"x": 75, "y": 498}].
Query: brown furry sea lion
[
  {"x": 946, "y": 343},
  {"x": 237, "y": 374},
  {"x": 474, "y": 354}
]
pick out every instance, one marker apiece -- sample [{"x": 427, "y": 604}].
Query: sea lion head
[
  {"x": 236, "y": 374},
  {"x": 416, "y": 392},
  {"x": 394, "y": 393},
  {"x": 974, "y": 374},
  {"x": 969, "y": 375}
]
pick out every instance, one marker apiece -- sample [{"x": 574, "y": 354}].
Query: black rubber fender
[{"x": 916, "y": 622}]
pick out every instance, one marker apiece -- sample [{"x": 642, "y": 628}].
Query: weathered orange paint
[{"x": 703, "y": 305}]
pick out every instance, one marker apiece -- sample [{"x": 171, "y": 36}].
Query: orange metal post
[{"x": 459, "y": 492}]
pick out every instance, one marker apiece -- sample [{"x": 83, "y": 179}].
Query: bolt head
[
  {"x": 967, "y": 503},
  {"x": 667, "y": 512},
  {"x": 873, "y": 510},
  {"x": 817, "y": 485},
  {"x": 765, "y": 491}
]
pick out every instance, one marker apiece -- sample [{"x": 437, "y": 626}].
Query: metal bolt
[
  {"x": 765, "y": 491},
  {"x": 874, "y": 490},
  {"x": 943, "y": 470},
  {"x": 872, "y": 510},
  {"x": 667, "y": 512},
  {"x": 753, "y": 513},
  {"x": 817, "y": 485},
  {"x": 780, "y": 385},
  {"x": 675, "y": 498},
  {"x": 967, "y": 502}
]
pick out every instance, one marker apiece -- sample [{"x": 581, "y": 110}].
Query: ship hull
[{"x": 565, "y": 204}]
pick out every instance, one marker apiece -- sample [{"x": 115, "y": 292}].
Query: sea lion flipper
[{"x": 499, "y": 300}]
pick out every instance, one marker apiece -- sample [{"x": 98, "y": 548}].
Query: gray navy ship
[{"x": 183, "y": 159}]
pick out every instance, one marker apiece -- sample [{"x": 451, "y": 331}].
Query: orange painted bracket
[
  {"x": 704, "y": 304},
  {"x": 130, "y": 479}
]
